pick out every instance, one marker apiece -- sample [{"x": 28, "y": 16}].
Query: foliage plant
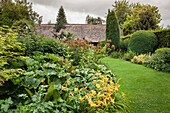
[
  {"x": 124, "y": 45},
  {"x": 35, "y": 41},
  {"x": 140, "y": 59},
  {"x": 142, "y": 42},
  {"x": 129, "y": 55},
  {"x": 117, "y": 54},
  {"x": 160, "y": 61},
  {"x": 49, "y": 76},
  {"x": 112, "y": 29}
]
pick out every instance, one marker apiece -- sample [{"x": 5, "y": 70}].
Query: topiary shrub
[{"x": 143, "y": 42}]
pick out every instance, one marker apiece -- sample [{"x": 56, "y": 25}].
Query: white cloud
[{"x": 77, "y": 10}]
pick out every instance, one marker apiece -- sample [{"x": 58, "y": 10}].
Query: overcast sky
[{"x": 77, "y": 10}]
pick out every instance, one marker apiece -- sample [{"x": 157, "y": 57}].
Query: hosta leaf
[
  {"x": 49, "y": 72},
  {"x": 29, "y": 73},
  {"x": 31, "y": 82}
]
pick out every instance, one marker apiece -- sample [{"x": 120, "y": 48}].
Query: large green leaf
[{"x": 31, "y": 82}]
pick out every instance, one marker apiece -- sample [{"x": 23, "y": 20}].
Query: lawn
[{"x": 147, "y": 90}]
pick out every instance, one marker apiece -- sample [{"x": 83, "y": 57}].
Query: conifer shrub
[
  {"x": 143, "y": 42},
  {"x": 112, "y": 29}
]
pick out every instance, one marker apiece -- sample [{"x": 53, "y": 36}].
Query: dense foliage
[
  {"x": 142, "y": 42},
  {"x": 140, "y": 59},
  {"x": 51, "y": 79},
  {"x": 163, "y": 37},
  {"x": 12, "y": 12},
  {"x": 143, "y": 17},
  {"x": 92, "y": 20},
  {"x": 112, "y": 29},
  {"x": 122, "y": 9},
  {"x": 160, "y": 61},
  {"x": 61, "y": 20}
]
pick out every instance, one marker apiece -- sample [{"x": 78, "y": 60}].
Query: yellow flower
[
  {"x": 101, "y": 76},
  {"x": 101, "y": 95},
  {"x": 106, "y": 79},
  {"x": 108, "y": 94},
  {"x": 112, "y": 100},
  {"x": 111, "y": 82},
  {"x": 99, "y": 102},
  {"x": 68, "y": 82},
  {"x": 98, "y": 85},
  {"x": 63, "y": 88},
  {"x": 94, "y": 81},
  {"x": 116, "y": 88},
  {"x": 76, "y": 89},
  {"x": 81, "y": 99},
  {"x": 123, "y": 94},
  {"x": 93, "y": 92},
  {"x": 108, "y": 86}
]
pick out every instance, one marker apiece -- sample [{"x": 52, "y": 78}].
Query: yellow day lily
[
  {"x": 76, "y": 89},
  {"x": 98, "y": 85}
]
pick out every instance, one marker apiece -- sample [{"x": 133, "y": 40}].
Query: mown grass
[{"x": 147, "y": 90}]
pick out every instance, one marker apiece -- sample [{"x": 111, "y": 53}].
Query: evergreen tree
[
  {"x": 61, "y": 20},
  {"x": 112, "y": 29}
]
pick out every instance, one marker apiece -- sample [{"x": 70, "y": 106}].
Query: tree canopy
[
  {"x": 15, "y": 11},
  {"x": 92, "y": 20},
  {"x": 122, "y": 9},
  {"x": 136, "y": 16}
]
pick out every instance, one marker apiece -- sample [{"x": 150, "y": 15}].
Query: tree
[
  {"x": 146, "y": 21},
  {"x": 15, "y": 11},
  {"x": 143, "y": 17},
  {"x": 122, "y": 9},
  {"x": 61, "y": 20},
  {"x": 112, "y": 29},
  {"x": 92, "y": 20}
]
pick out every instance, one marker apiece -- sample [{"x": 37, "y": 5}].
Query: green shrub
[
  {"x": 142, "y": 42},
  {"x": 140, "y": 59},
  {"x": 35, "y": 41},
  {"x": 160, "y": 61},
  {"x": 161, "y": 49},
  {"x": 129, "y": 55},
  {"x": 112, "y": 29},
  {"x": 124, "y": 45},
  {"x": 127, "y": 37},
  {"x": 117, "y": 54},
  {"x": 103, "y": 43},
  {"x": 163, "y": 37}
]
